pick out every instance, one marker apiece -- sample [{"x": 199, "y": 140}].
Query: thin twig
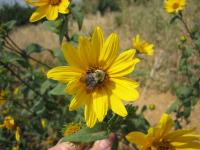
[{"x": 19, "y": 78}]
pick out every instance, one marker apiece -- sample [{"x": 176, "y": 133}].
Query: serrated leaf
[
  {"x": 58, "y": 90},
  {"x": 86, "y": 135}
]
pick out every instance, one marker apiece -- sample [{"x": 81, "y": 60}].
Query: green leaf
[
  {"x": 63, "y": 29},
  {"x": 58, "y": 90},
  {"x": 173, "y": 106},
  {"x": 53, "y": 26},
  {"x": 8, "y": 26},
  {"x": 58, "y": 53},
  {"x": 78, "y": 15},
  {"x": 33, "y": 48},
  {"x": 184, "y": 92},
  {"x": 174, "y": 18},
  {"x": 39, "y": 107},
  {"x": 45, "y": 86},
  {"x": 86, "y": 135},
  {"x": 11, "y": 57},
  {"x": 187, "y": 111}
]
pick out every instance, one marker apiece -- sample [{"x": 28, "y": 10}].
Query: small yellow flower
[
  {"x": 8, "y": 123},
  {"x": 17, "y": 134},
  {"x": 96, "y": 76},
  {"x": 15, "y": 147},
  {"x": 174, "y": 6},
  {"x": 2, "y": 97},
  {"x": 161, "y": 137},
  {"x": 43, "y": 123},
  {"x": 71, "y": 129},
  {"x": 16, "y": 91},
  {"x": 48, "y": 9},
  {"x": 142, "y": 47}
]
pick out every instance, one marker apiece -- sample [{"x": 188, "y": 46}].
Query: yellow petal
[
  {"x": 178, "y": 133},
  {"x": 17, "y": 134},
  {"x": 52, "y": 12},
  {"x": 186, "y": 138},
  {"x": 166, "y": 124},
  {"x": 39, "y": 14},
  {"x": 71, "y": 55},
  {"x": 73, "y": 86},
  {"x": 100, "y": 103},
  {"x": 123, "y": 65},
  {"x": 97, "y": 43},
  {"x": 138, "y": 138},
  {"x": 189, "y": 146},
  {"x": 109, "y": 51},
  {"x": 117, "y": 106},
  {"x": 89, "y": 113},
  {"x": 124, "y": 88},
  {"x": 63, "y": 74},
  {"x": 37, "y": 2},
  {"x": 79, "y": 99},
  {"x": 84, "y": 51},
  {"x": 63, "y": 7}
]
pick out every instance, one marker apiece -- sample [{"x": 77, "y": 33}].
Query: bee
[{"x": 94, "y": 79}]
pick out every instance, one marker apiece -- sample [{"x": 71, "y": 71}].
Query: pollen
[
  {"x": 164, "y": 145},
  {"x": 54, "y": 2},
  {"x": 175, "y": 5}
]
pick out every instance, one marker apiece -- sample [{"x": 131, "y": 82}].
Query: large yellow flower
[
  {"x": 96, "y": 76},
  {"x": 142, "y": 46},
  {"x": 8, "y": 123},
  {"x": 48, "y": 9},
  {"x": 174, "y": 6},
  {"x": 162, "y": 137}
]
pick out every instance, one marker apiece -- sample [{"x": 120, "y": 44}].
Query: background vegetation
[{"x": 31, "y": 98}]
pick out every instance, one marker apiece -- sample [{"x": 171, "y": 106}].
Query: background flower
[{"x": 48, "y": 9}]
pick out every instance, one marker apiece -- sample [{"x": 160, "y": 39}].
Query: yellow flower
[
  {"x": 17, "y": 134},
  {"x": 2, "y": 97},
  {"x": 142, "y": 46},
  {"x": 16, "y": 91},
  {"x": 96, "y": 76},
  {"x": 8, "y": 123},
  {"x": 43, "y": 123},
  {"x": 15, "y": 147},
  {"x": 71, "y": 129},
  {"x": 161, "y": 137},
  {"x": 174, "y": 6},
  {"x": 48, "y": 9}
]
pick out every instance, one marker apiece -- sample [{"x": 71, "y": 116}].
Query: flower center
[
  {"x": 175, "y": 5},
  {"x": 94, "y": 78},
  {"x": 164, "y": 145},
  {"x": 54, "y": 2}
]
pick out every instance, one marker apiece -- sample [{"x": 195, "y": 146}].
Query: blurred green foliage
[{"x": 15, "y": 12}]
